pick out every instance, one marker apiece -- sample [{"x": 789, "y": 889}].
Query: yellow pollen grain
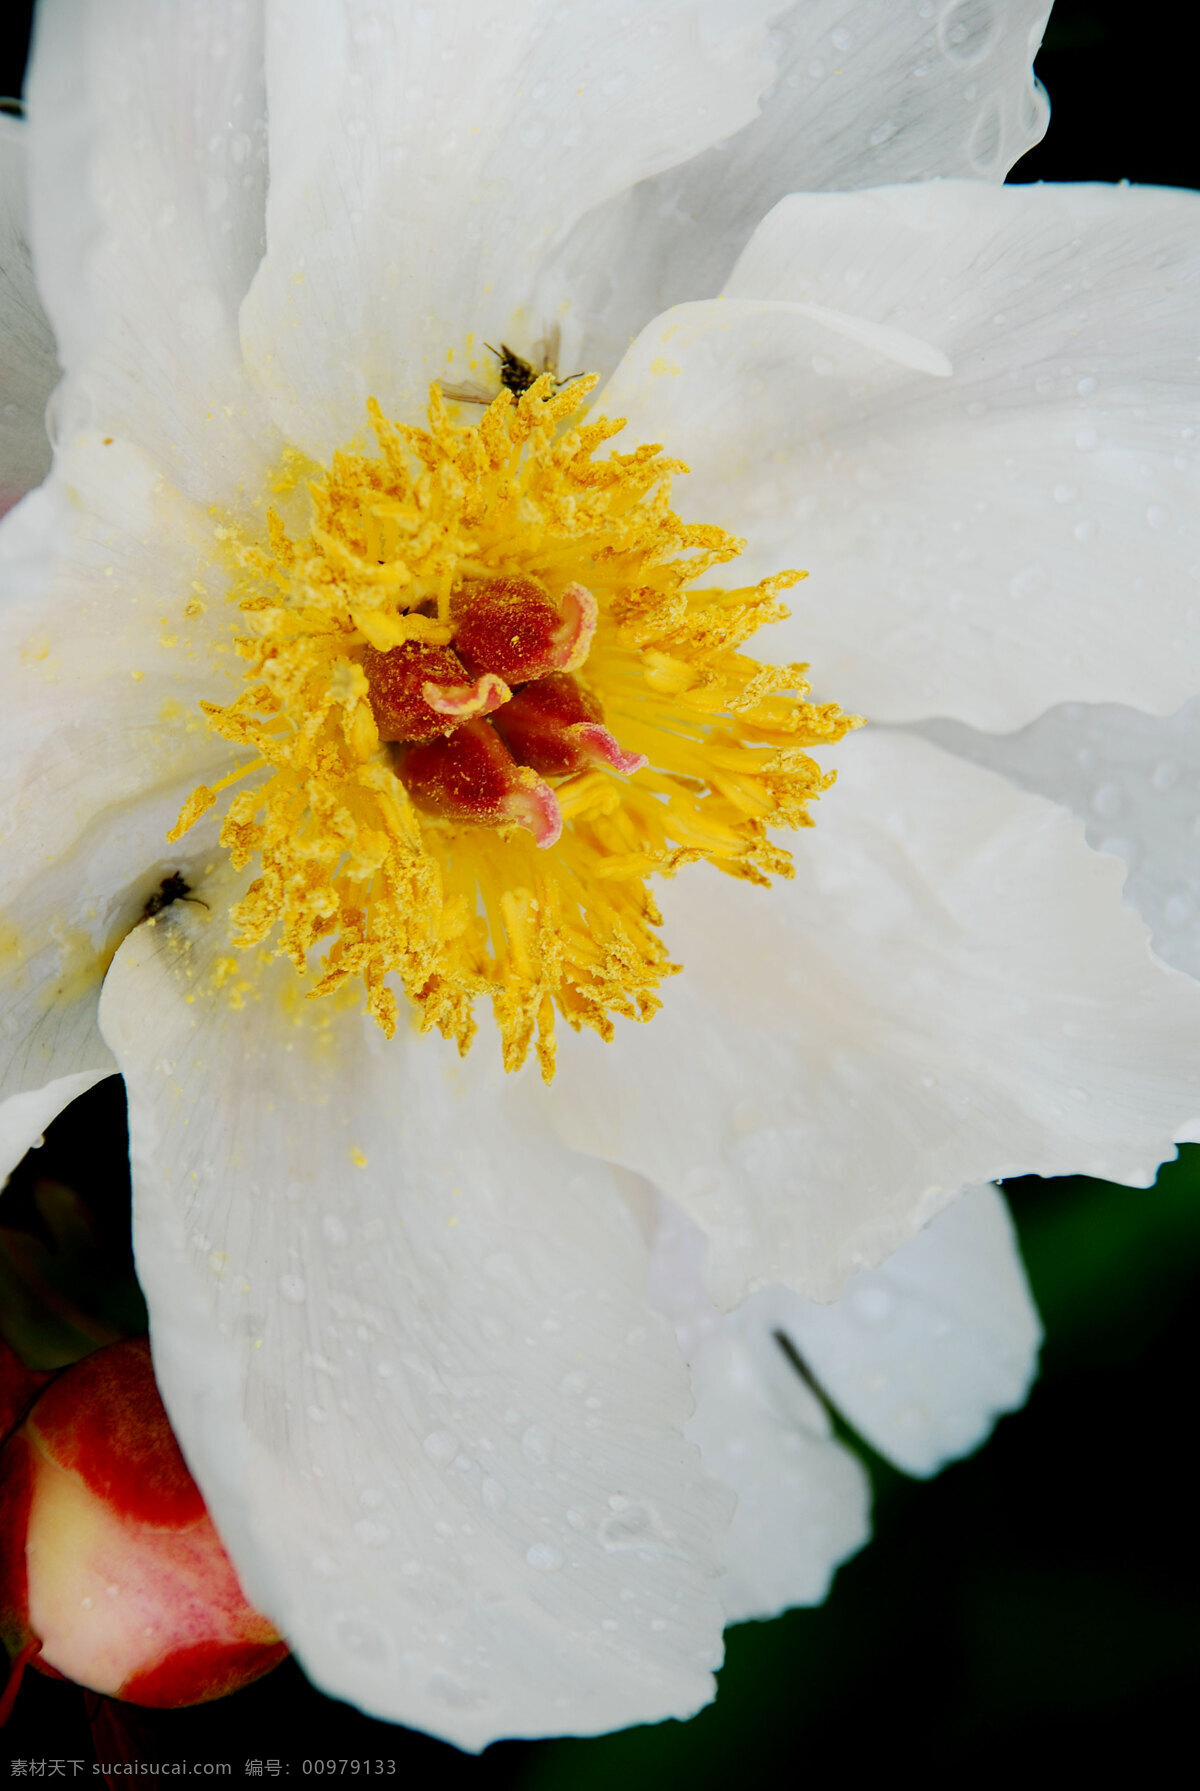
[{"x": 356, "y": 886}]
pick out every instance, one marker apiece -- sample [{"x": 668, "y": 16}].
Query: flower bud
[{"x": 111, "y": 1572}]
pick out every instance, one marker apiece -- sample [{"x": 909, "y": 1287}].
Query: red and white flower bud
[{"x": 111, "y": 1572}]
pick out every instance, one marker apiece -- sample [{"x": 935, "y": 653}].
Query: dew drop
[
  {"x": 372, "y": 1534},
  {"x": 1107, "y": 800},
  {"x": 987, "y": 137},
  {"x": 1031, "y": 582},
  {"x": 361, "y": 1638},
  {"x": 450, "y": 1691},
  {"x": 873, "y": 1307},
  {"x": 1178, "y": 908},
  {"x": 440, "y": 1446},
  {"x": 292, "y": 1288},
  {"x": 537, "y": 1444},
  {"x": 544, "y": 1556}
]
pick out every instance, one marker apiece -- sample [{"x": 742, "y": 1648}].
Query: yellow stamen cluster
[{"x": 454, "y": 911}]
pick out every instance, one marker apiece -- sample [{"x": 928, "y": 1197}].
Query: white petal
[
  {"x": 147, "y": 177},
  {"x": 24, "y": 1117},
  {"x": 1132, "y": 780},
  {"x": 403, "y": 1341},
  {"x": 951, "y": 991},
  {"x": 924, "y": 1354},
  {"x": 425, "y": 161},
  {"x": 802, "y": 1499},
  {"x": 101, "y": 740},
  {"x": 985, "y": 545},
  {"x": 28, "y": 369},
  {"x": 865, "y": 95}
]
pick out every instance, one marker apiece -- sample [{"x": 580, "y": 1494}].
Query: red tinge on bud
[
  {"x": 419, "y": 692},
  {"x": 556, "y": 726},
  {"x": 511, "y": 626},
  {"x": 111, "y": 1573},
  {"x": 472, "y": 776}
]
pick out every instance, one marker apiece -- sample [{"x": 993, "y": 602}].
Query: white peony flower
[{"x": 427, "y": 1331}]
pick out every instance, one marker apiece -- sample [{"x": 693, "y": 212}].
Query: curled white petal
[
  {"x": 402, "y": 1343},
  {"x": 803, "y": 1500},
  {"x": 950, "y": 991},
  {"x": 983, "y": 546},
  {"x": 923, "y": 1354},
  {"x": 1132, "y": 780},
  {"x": 866, "y": 93}
]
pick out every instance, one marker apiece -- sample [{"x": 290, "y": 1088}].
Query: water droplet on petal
[
  {"x": 441, "y": 1446},
  {"x": 544, "y": 1556},
  {"x": 872, "y": 1306},
  {"x": 1107, "y": 800},
  {"x": 372, "y": 1534},
  {"x": 537, "y": 1444}
]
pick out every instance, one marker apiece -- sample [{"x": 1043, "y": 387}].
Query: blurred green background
[{"x": 1033, "y": 1608}]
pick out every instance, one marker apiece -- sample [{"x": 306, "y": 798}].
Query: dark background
[{"x": 1033, "y": 1609}]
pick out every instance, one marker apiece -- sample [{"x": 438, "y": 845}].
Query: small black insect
[
  {"x": 516, "y": 373},
  {"x": 174, "y": 888}
]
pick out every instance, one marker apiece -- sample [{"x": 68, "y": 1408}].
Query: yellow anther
[
  {"x": 385, "y": 629},
  {"x": 385, "y": 524}
]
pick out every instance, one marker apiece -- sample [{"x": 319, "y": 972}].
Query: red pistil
[
  {"x": 472, "y": 776},
  {"x": 431, "y": 701},
  {"x": 556, "y": 726},
  {"x": 419, "y": 692},
  {"x": 511, "y": 627}
]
